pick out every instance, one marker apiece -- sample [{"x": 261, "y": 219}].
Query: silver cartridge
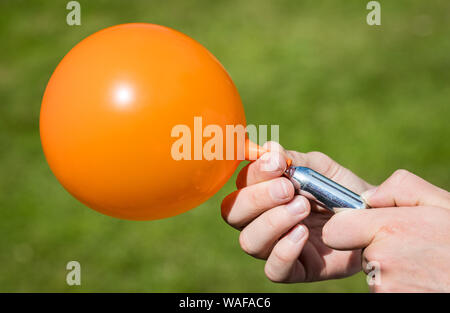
[{"x": 323, "y": 190}]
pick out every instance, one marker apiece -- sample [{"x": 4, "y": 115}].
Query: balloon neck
[{"x": 253, "y": 151}]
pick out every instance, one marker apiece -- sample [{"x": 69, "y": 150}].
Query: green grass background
[{"x": 375, "y": 98}]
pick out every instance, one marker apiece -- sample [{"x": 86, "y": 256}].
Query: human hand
[
  {"x": 284, "y": 229},
  {"x": 407, "y": 233}
]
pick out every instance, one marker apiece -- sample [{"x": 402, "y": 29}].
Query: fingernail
[
  {"x": 269, "y": 162},
  {"x": 279, "y": 190},
  {"x": 297, "y": 234},
  {"x": 366, "y": 195},
  {"x": 296, "y": 206}
]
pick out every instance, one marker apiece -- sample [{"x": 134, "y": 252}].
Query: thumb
[
  {"x": 406, "y": 189},
  {"x": 355, "y": 229}
]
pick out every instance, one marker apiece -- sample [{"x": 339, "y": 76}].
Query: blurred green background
[{"x": 375, "y": 98}]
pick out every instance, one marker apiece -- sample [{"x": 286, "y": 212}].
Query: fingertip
[
  {"x": 281, "y": 190},
  {"x": 298, "y": 234},
  {"x": 269, "y": 166},
  {"x": 282, "y": 264},
  {"x": 274, "y": 146},
  {"x": 272, "y": 162},
  {"x": 306, "y": 202},
  {"x": 368, "y": 195},
  {"x": 335, "y": 228},
  {"x": 299, "y": 206}
]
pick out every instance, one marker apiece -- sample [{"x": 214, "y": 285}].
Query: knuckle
[
  {"x": 401, "y": 172},
  {"x": 317, "y": 154},
  {"x": 271, "y": 220},
  {"x": 255, "y": 196},
  {"x": 399, "y": 176},
  {"x": 258, "y": 197},
  {"x": 325, "y": 164}
]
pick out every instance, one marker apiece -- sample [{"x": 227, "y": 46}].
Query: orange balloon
[{"x": 108, "y": 113}]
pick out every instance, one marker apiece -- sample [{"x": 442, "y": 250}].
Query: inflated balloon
[
  {"x": 109, "y": 116},
  {"x": 109, "y": 119}
]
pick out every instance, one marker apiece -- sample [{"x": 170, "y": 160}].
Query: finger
[
  {"x": 243, "y": 205},
  {"x": 270, "y": 165},
  {"x": 283, "y": 264},
  {"x": 274, "y": 146},
  {"x": 406, "y": 189},
  {"x": 356, "y": 229},
  {"x": 259, "y": 237}
]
